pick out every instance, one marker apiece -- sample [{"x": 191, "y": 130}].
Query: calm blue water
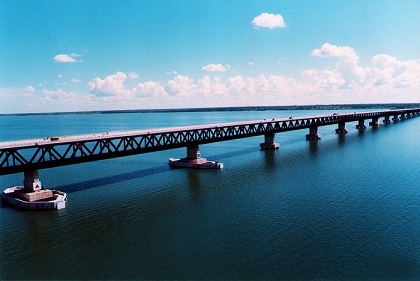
[{"x": 345, "y": 207}]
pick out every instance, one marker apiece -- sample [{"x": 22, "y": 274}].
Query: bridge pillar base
[
  {"x": 265, "y": 146},
  {"x": 313, "y": 133},
  {"x": 361, "y": 124},
  {"x": 341, "y": 128},
  {"x": 386, "y": 120},
  {"x": 32, "y": 196},
  {"x": 194, "y": 160},
  {"x": 374, "y": 122},
  {"x": 313, "y": 137},
  {"x": 269, "y": 142}
]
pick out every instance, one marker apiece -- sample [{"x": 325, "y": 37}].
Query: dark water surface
[{"x": 345, "y": 207}]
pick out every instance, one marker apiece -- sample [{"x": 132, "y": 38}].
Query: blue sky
[{"x": 98, "y": 55}]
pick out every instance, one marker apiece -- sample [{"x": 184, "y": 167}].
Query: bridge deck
[
  {"x": 23, "y": 155},
  {"x": 117, "y": 134}
]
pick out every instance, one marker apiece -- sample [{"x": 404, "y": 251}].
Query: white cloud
[
  {"x": 150, "y": 89},
  {"x": 383, "y": 78},
  {"x": 59, "y": 95},
  {"x": 172, "y": 73},
  {"x": 236, "y": 83},
  {"x": 251, "y": 63},
  {"x": 216, "y": 67},
  {"x": 110, "y": 86},
  {"x": 76, "y": 80},
  {"x": 29, "y": 89},
  {"x": 325, "y": 79},
  {"x": 328, "y": 50},
  {"x": 60, "y": 76},
  {"x": 133, "y": 75},
  {"x": 63, "y": 58},
  {"x": 269, "y": 21},
  {"x": 180, "y": 84},
  {"x": 347, "y": 64},
  {"x": 387, "y": 80}
]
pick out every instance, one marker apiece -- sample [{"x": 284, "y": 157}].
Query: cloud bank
[{"x": 382, "y": 79}]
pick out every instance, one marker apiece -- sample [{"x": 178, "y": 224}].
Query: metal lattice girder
[{"x": 20, "y": 156}]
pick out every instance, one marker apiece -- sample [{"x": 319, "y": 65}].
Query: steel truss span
[{"x": 33, "y": 155}]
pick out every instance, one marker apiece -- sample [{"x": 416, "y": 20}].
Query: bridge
[{"x": 29, "y": 156}]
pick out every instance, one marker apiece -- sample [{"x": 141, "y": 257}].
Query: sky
[{"x": 61, "y": 56}]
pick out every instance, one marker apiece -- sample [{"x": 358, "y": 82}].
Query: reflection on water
[
  {"x": 313, "y": 147},
  {"x": 194, "y": 179},
  {"x": 341, "y": 139},
  {"x": 361, "y": 132},
  {"x": 270, "y": 157}
]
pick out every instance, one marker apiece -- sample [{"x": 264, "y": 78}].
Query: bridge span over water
[{"x": 29, "y": 156}]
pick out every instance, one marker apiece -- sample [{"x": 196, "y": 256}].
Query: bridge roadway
[{"x": 35, "y": 154}]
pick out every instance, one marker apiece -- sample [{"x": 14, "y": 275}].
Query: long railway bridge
[{"x": 29, "y": 156}]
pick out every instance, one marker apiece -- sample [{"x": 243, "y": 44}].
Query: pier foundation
[
  {"x": 374, "y": 122},
  {"x": 194, "y": 160},
  {"x": 269, "y": 142},
  {"x": 313, "y": 133},
  {"x": 395, "y": 118},
  {"x": 32, "y": 189},
  {"x": 386, "y": 120},
  {"x": 341, "y": 128},
  {"x": 361, "y": 124}
]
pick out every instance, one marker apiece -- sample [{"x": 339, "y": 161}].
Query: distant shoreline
[{"x": 239, "y": 108}]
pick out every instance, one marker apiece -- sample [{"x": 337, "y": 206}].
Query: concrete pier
[
  {"x": 269, "y": 142},
  {"x": 313, "y": 133},
  {"x": 374, "y": 122},
  {"x": 31, "y": 196},
  {"x": 361, "y": 124},
  {"x": 32, "y": 189},
  {"x": 341, "y": 128},
  {"x": 194, "y": 160},
  {"x": 193, "y": 152},
  {"x": 395, "y": 118},
  {"x": 31, "y": 181},
  {"x": 386, "y": 120}
]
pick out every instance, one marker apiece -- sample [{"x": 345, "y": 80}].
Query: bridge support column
[
  {"x": 31, "y": 181},
  {"x": 193, "y": 152},
  {"x": 194, "y": 160},
  {"x": 269, "y": 142},
  {"x": 361, "y": 124},
  {"x": 32, "y": 189},
  {"x": 313, "y": 133},
  {"x": 395, "y": 118},
  {"x": 375, "y": 121},
  {"x": 386, "y": 120},
  {"x": 341, "y": 128}
]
